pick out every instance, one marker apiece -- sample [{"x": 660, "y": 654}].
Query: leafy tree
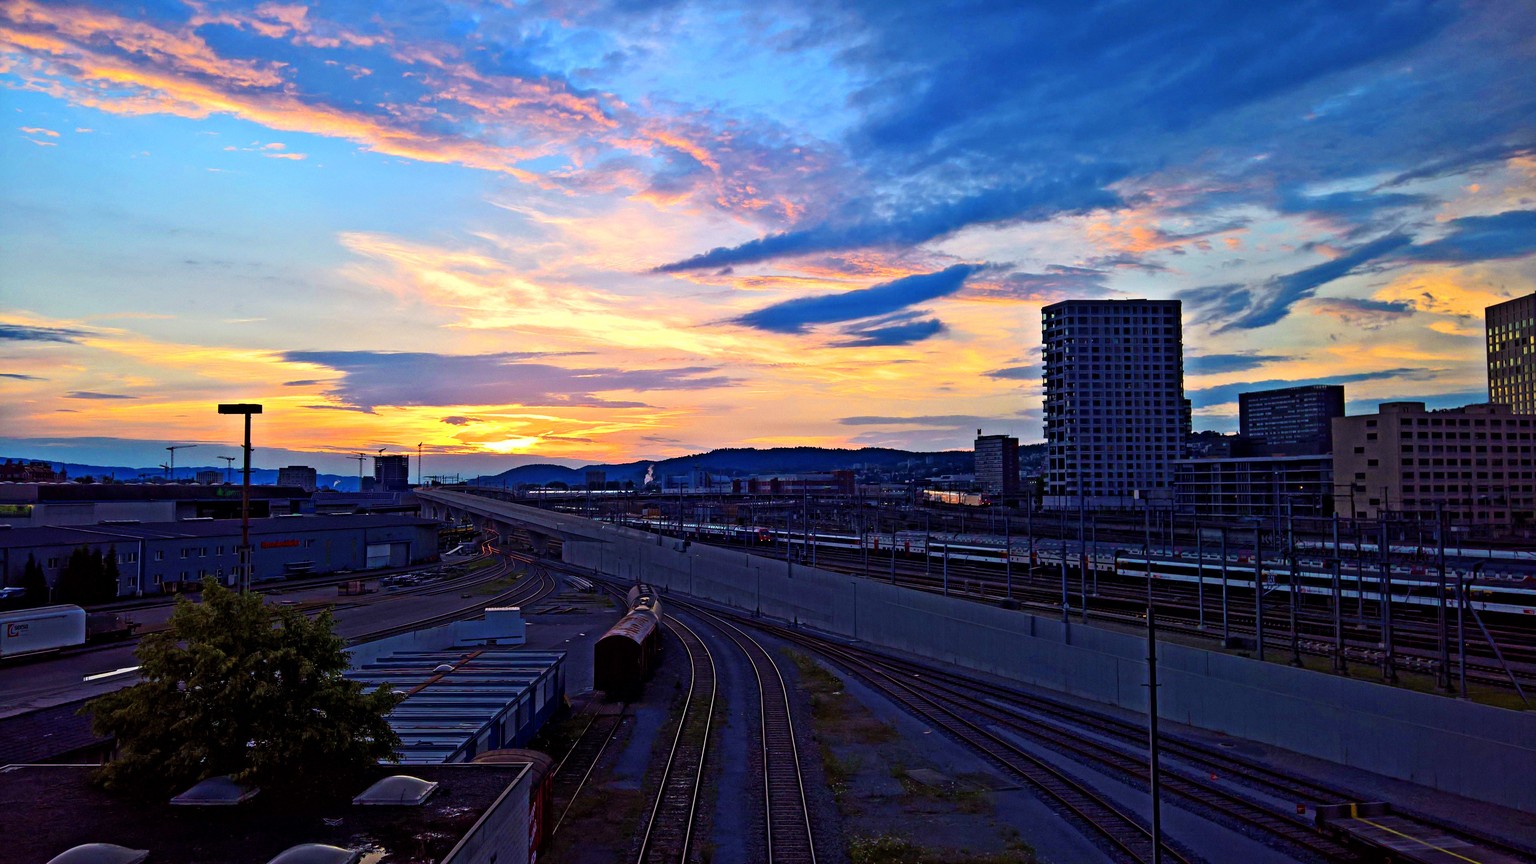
[
  {"x": 35, "y": 581},
  {"x": 224, "y": 691},
  {"x": 77, "y": 581},
  {"x": 106, "y": 586}
]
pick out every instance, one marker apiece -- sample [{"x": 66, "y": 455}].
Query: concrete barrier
[{"x": 1481, "y": 752}]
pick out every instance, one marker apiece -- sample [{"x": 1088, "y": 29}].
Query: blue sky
[{"x": 590, "y": 231}]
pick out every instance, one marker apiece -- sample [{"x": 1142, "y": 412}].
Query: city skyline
[{"x": 588, "y": 233}]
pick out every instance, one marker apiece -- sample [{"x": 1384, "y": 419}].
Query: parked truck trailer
[{"x": 45, "y": 628}]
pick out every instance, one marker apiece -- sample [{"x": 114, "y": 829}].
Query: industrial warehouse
[{"x": 159, "y": 557}]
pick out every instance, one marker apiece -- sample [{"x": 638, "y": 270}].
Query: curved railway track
[
  {"x": 788, "y": 831},
  {"x": 668, "y": 833}
]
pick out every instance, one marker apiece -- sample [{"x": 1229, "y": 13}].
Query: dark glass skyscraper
[
  {"x": 1511, "y": 328},
  {"x": 1291, "y": 421}
]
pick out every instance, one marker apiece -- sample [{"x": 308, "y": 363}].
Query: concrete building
[
  {"x": 1290, "y": 421},
  {"x": 154, "y": 558},
  {"x": 38, "y": 504},
  {"x": 830, "y": 483},
  {"x": 391, "y": 473},
  {"x": 997, "y": 464},
  {"x": 302, "y": 476},
  {"x": 1115, "y": 414},
  {"x": 1511, "y": 331},
  {"x": 1475, "y": 462},
  {"x": 1237, "y": 487}
]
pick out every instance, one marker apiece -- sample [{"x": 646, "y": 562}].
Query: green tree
[
  {"x": 35, "y": 581},
  {"x": 106, "y": 585},
  {"x": 224, "y": 691},
  {"x": 79, "y": 578}
]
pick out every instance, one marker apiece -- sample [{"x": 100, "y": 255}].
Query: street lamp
[{"x": 246, "y": 409}]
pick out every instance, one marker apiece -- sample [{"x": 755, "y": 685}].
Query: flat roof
[
  {"x": 47, "y": 809},
  {"x": 443, "y": 711},
  {"x": 60, "y": 535}
]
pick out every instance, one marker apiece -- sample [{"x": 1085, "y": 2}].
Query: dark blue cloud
[
  {"x": 1018, "y": 373},
  {"x": 1223, "y": 394},
  {"x": 376, "y": 378},
  {"x": 1241, "y": 308},
  {"x": 893, "y": 334},
  {"x": 91, "y": 394},
  {"x": 1064, "y": 194},
  {"x": 1354, "y": 205},
  {"x": 26, "y": 333},
  {"x": 1364, "y": 314},
  {"x": 945, "y": 421},
  {"x": 1217, "y": 364},
  {"x": 1510, "y": 234},
  {"x": 794, "y": 316},
  {"x": 20, "y": 377}
]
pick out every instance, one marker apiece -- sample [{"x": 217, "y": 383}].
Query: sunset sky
[{"x": 589, "y": 231}]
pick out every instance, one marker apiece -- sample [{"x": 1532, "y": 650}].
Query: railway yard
[{"x": 698, "y": 733}]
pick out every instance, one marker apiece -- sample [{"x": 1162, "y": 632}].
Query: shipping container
[{"x": 46, "y": 628}]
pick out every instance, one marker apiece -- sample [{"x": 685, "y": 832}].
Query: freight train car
[
  {"x": 623, "y": 660},
  {"x": 541, "y": 792},
  {"x": 45, "y": 628}
]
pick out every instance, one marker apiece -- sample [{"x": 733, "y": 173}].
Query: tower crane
[
  {"x": 171, "y": 468},
  {"x": 229, "y": 466},
  {"x": 359, "y": 457}
]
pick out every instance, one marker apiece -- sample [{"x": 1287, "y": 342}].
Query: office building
[
  {"x": 391, "y": 473},
  {"x": 997, "y": 464},
  {"x": 1475, "y": 463},
  {"x": 1238, "y": 487},
  {"x": 1115, "y": 414},
  {"x": 1511, "y": 330},
  {"x": 301, "y": 476},
  {"x": 1291, "y": 421}
]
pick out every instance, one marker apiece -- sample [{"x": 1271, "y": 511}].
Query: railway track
[
  {"x": 668, "y": 833},
  {"x": 790, "y": 837},
  {"x": 576, "y": 767}
]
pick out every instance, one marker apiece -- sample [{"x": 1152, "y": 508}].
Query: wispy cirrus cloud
[
  {"x": 29, "y": 333},
  {"x": 92, "y": 394}
]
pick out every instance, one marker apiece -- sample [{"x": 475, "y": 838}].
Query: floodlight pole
[{"x": 246, "y": 409}]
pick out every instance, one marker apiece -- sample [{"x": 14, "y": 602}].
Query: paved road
[{"x": 29, "y": 684}]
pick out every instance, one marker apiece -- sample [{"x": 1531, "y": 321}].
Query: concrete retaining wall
[{"x": 1473, "y": 750}]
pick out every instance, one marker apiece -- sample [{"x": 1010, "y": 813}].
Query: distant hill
[{"x": 740, "y": 462}]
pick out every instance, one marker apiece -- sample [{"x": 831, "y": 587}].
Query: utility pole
[
  {"x": 1152, "y": 755},
  {"x": 1290, "y": 551},
  {"x": 1443, "y": 676},
  {"x": 246, "y": 409},
  {"x": 1339, "y": 665}
]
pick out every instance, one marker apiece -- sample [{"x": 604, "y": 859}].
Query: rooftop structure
[
  {"x": 300, "y": 476},
  {"x": 478, "y": 814},
  {"x": 1115, "y": 413},
  {"x": 1236, "y": 487},
  {"x": 391, "y": 473},
  {"x": 1511, "y": 332}
]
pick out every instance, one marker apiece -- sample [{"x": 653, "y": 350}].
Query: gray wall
[{"x": 1473, "y": 750}]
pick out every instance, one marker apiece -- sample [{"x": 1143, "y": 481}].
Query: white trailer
[{"x": 46, "y": 628}]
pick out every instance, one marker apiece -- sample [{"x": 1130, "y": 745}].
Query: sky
[{"x": 585, "y": 231}]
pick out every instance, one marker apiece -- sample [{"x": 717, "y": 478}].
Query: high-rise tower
[
  {"x": 1115, "y": 413},
  {"x": 1511, "y": 327}
]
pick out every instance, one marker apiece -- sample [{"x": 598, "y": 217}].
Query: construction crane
[
  {"x": 359, "y": 457},
  {"x": 229, "y": 466},
  {"x": 171, "y": 469}
]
